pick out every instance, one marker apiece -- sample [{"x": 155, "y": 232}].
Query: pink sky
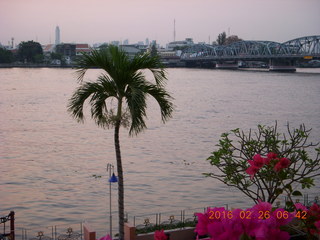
[{"x": 97, "y": 21}]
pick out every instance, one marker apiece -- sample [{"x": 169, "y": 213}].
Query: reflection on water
[{"x": 48, "y": 160}]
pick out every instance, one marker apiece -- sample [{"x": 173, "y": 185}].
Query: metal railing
[
  {"x": 56, "y": 232},
  {"x": 3, "y": 220},
  {"x": 168, "y": 220}
]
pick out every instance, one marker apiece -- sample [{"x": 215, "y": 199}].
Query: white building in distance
[
  {"x": 57, "y": 35},
  {"x": 180, "y": 44}
]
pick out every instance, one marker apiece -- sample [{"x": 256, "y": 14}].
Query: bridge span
[{"x": 279, "y": 56}]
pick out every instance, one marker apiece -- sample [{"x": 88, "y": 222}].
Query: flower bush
[
  {"x": 160, "y": 235},
  {"x": 263, "y": 165},
  {"x": 106, "y": 237},
  {"x": 261, "y": 222},
  {"x": 311, "y": 223},
  {"x": 273, "y": 163}
]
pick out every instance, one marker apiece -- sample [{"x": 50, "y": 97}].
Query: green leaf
[
  {"x": 96, "y": 176},
  {"x": 224, "y": 135},
  {"x": 289, "y": 187},
  {"x": 215, "y": 159},
  {"x": 235, "y": 130},
  {"x": 278, "y": 191},
  {"x": 289, "y": 205},
  {"x": 307, "y": 183}
]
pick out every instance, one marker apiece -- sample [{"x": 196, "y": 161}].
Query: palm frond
[
  {"x": 100, "y": 113},
  {"x": 146, "y": 61},
  {"x": 78, "y": 98},
  {"x": 97, "y": 93},
  {"x": 136, "y": 102},
  {"x": 94, "y": 59},
  {"x": 160, "y": 76},
  {"x": 163, "y": 98}
]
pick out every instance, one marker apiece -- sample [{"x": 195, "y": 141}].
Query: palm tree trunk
[{"x": 120, "y": 180}]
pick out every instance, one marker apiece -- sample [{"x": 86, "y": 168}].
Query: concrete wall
[
  {"x": 88, "y": 233},
  {"x": 175, "y": 234},
  {"x": 130, "y": 233}
]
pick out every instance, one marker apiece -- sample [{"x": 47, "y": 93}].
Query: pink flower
[
  {"x": 261, "y": 232},
  {"x": 259, "y": 222},
  {"x": 209, "y": 217},
  {"x": 160, "y": 235},
  {"x": 283, "y": 163},
  {"x": 202, "y": 225},
  {"x": 107, "y": 237},
  {"x": 258, "y": 161},
  {"x": 262, "y": 206},
  {"x": 282, "y": 217},
  {"x": 265, "y": 223},
  {"x": 277, "y": 167},
  {"x": 255, "y": 164},
  {"x": 300, "y": 207},
  {"x": 277, "y": 234},
  {"x": 215, "y": 229},
  {"x": 227, "y": 229},
  {"x": 314, "y": 211},
  {"x": 267, "y": 161},
  {"x": 272, "y": 155},
  {"x": 317, "y": 225},
  {"x": 252, "y": 171}
]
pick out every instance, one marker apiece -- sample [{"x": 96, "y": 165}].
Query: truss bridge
[{"x": 279, "y": 56}]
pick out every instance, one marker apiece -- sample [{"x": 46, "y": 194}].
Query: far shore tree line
[
  {"x": 222, "y": 39},
  {"x": 27, "y": 52},
  {"x": 31, "y": 52}
]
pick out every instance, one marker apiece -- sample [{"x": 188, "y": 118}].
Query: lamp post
[{"x": 112, "y": 178}]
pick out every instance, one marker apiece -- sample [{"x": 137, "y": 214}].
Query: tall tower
[
  {"x": 174, "y": 30},
  {"x": 57, "y": 35}
]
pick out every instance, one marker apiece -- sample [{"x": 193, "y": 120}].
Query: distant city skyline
[{"x": 100, "y": 21}]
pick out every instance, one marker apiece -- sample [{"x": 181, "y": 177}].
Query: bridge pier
[
  {"x": 227, "y": 65},
  {"x": 190, "y": 64},
  {"x": 199, "y": 64},
  {"x": 282, "y": 65}
]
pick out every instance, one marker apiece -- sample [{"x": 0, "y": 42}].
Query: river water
[{"x": 50, "y": 165}]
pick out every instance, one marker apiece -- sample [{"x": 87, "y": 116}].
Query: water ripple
[{"x": 48, "y": 160}]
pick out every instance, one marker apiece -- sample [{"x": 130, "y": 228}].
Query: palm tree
[{"x": 123, "y": 80}]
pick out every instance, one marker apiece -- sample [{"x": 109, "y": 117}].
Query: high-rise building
[
  {"x": 174, "y": 30},
  {"x": 57, "y": 35},
  {"x": 126, "y": 42},
  {"x": 115, "y": 43}
]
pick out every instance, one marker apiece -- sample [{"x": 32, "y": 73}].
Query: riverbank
[
  {"x": 34, "y": 65},
  {"x": 167, "y": 65}
]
